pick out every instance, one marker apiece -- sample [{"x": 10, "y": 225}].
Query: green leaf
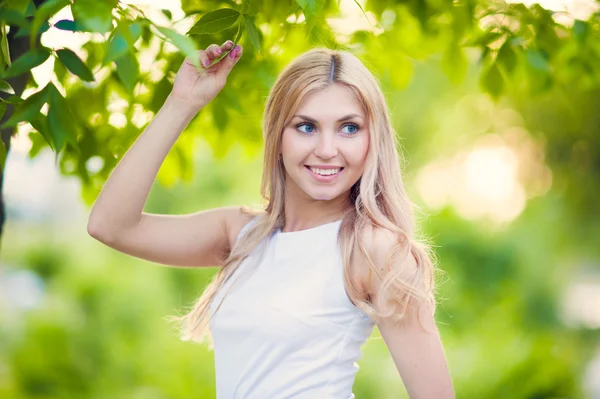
[
  {"x": 483, "y": 38},
  {"x": 14, "y": 100},
  {"x": 6, "y": 87},
  {"x": 96, "y": 51},
  {"x": 185, "y": 44},
  {"x": 40, "y": 123},
  {"x": 214, "y": 22},
  {"x": 22, "y": 7},
  {"x": 2, "y": 109},
  {"x": 537, "y": 60},
  {"x": 37, "y": 143},
  {"x": 60, "y": 71},
  {"x": 220, "y": 116},
  {"x": 94, "y": 15},
  {"x": 311, "y": 8},
  {"x": 237, "y": 38},
  {"x": 46, "y": 10},
  {"x": 3, "y": 154},
  {"x": 116, "y": 48},
  {"x": 134, "y": 32},
  {"x": 122, "y": 41},
  {"x": 60, "y": 119},
  {"x": 4, "y": 52},
  {"x": 253, "y": 33},
  {"x": 13, "y": 17},
  {"x": 26, "y": 62},
  {"x": 30, "y": 8},
  {"x": 128, "y": 70},
  {"x": 580, "y": 30},
  {"x": 28, "y": 109},
  {"x": 74, "y": 64},
  {"x": 161, "y": 91},
  {"x": 491, "y": 81},
  {"x": 250, "y": 7},
  {"x": 25, "y": 30},
  {"x": 507, "y": 57},
  {"x": 68, "y": 25},
  {"x": 147, "y": 34}
]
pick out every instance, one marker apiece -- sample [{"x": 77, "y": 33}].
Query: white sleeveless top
[{"x": 287, "y": 328}]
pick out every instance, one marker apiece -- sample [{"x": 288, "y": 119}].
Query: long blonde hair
[{"x": 378, "y": 197}]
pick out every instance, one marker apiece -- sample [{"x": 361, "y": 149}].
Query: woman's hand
[{"x": 198, "y": 87}]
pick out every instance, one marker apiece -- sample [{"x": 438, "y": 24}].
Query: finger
[
  {"x": 225, "y": 49},
  {"x": 219, "y": 53},
  {"x": 236, "y": 53},
  {"x": 204, "y": 59},
  {"x": 214, "y": 51},
  {"x": 227, "y": 45},
  {"x": 231, "y": 59}
]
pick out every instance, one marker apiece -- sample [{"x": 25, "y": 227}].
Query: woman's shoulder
[
  {"x": 380, "y": 240},
  {"x": 378, "y": 243},
  {"x": 241, "y": 219}
]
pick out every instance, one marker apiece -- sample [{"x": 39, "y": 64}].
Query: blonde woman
[{"x": 302, "y": 283}]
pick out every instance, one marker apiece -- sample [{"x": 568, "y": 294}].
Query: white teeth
[{"x": 325, "y": 172}]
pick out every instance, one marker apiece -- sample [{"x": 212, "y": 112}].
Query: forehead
[{"x": 335, "y": 100}]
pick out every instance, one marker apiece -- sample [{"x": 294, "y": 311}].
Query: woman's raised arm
[{"x": 117, "y": 218}]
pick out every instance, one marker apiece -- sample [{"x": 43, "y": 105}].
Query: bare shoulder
[
  {"x": 237, "y": 218},
  {"x": 379, "y": 244}
]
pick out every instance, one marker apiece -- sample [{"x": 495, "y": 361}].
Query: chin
[{"x": 323, "y": 195}]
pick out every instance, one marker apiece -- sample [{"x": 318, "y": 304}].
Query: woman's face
[{"x": 325, "y": 145}]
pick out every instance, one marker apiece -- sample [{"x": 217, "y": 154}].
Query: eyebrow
[{"x": 344, "y": 118}]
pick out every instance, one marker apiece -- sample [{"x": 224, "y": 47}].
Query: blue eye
[
  {"x": 354, "y": 128},
  {"x": 307, "y": 125}
]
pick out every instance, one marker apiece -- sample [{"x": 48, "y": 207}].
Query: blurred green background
[{"x": 504, "y": 163}]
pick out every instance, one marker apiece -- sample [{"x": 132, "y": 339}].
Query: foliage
[
  {"x": 97, "y": 336},
  {"x": 519, "y": 46}
]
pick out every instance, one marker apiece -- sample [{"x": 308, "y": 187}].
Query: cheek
[
  {"x": 287, "y": 146},
  {"x": 358, "y": 152},
  {"x": 285, "y": 142},
  {"x": 293, "y": 146}
]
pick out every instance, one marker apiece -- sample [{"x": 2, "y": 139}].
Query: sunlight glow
[
  {"x": 352, "y": 19},
  {"x": 20, "y": 142},
  {"x": 493, "y": 179},
  {"x": 580, "y": 9},
  {"x": 118, "y": 120},
  {"x": 581, "y": 304}
]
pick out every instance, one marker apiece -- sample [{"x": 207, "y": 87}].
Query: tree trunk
[{"x": 17, "y": 47}]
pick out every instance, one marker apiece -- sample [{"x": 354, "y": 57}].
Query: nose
[{"x": 326, "y": 146}]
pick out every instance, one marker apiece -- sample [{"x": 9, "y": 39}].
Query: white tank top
[{"x": 286, "y": 328}]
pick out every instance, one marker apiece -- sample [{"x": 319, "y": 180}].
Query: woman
[{"x": 302, "y": 283}]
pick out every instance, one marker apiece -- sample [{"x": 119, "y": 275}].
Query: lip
[
  {"x": 325, "y": 166},
  {"x": 324, "y": 179}
]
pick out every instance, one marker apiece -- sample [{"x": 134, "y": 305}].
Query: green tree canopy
[
  {"x": 500, "y": 312},
  {"x": 523, "y": 52}
]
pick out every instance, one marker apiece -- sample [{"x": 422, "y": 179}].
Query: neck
[{"x": 303, "y": 212}]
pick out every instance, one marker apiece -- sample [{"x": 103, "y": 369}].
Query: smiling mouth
[{"x": 324, "y": 171}]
